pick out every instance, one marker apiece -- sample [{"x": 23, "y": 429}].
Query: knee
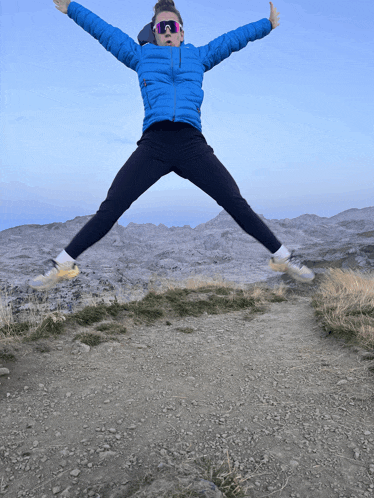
[
  {"x": 111, "y": 210},
  {"x": 234, "y": 201}
]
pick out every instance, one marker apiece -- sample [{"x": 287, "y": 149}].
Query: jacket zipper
[{"x": 175, "y": 90}]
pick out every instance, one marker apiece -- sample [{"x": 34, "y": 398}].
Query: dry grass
[{"x": 344, "y": 304}]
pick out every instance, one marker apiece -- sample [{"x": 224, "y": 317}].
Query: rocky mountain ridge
[{"x": 127, "y": 257}]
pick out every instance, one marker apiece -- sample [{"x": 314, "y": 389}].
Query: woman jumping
[{"x": 170, "y": 76}]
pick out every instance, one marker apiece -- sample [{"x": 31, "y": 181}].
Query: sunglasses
[{"x": 174, "y": 26}]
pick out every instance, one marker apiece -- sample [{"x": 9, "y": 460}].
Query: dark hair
[{"x": 165, "y": 6}]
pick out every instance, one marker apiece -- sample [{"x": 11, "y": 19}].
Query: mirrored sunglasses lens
[{"x": 161, "y": 27}]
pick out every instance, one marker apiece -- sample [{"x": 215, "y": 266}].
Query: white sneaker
[
  {"x": 60, "y": 271},
  {"x": 294, "y": 267}
]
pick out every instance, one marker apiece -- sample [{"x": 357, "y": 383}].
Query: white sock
[
  {"x": 63, "y": 257},
  {"x": 282, "y": 252}
]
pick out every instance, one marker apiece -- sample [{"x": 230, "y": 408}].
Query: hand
[
  {"x": 274, "y": 16},
  {"x": 62, "y": 5}
]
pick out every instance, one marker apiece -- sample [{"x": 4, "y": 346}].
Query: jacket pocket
[{"x": 146, "y": 92}]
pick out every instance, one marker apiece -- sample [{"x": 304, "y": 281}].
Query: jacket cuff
[{"x": 69, "y": 7}]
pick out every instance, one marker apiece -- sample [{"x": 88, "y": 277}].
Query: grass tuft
[
  {"x": 7, "y": 355},
  {"x": 52, "y": 325},
  {"x": 90, "y": 338},
  {"x": 113, "y": 328},
  {"x": 90, "y": 315},
  {"x": 224, "y": 476},
  {"x": 14, "y": 329}
]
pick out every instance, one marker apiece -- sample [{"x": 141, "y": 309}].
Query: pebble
[
  {"x": 107, "y": 454},
  {"x": 4, "y": 371},
  {"x": 75, "y": 472},
  {"x": 84, "y": 348}
]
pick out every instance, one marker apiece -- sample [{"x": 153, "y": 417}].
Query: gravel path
[{"x": 290, "y": 406}]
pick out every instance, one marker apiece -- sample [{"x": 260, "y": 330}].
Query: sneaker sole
[
  {"x": 281, "y": 267},
  {"x": 63, "y": 275},
  {"x": 306, "y": 280}
]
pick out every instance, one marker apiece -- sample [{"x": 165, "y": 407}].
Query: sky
[{"x": 290, "y": 116}]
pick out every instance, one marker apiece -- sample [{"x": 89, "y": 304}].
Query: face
[{"x": 168, "y": 38}]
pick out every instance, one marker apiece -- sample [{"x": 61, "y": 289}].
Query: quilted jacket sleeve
[
  {"x": 112, "y": 39},
  {"x": 222, "y": 47}
]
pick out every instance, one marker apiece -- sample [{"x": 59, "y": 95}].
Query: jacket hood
[{"x": 146, "y": 35}]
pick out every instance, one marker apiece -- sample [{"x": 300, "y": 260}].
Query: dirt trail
[{"x": 292, "y": 406}]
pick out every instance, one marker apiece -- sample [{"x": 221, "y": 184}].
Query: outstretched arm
[
  {"x": 62, "y": 5},
  {"x": 274, "y": 16},
  {"x": 112, "y": 39}
]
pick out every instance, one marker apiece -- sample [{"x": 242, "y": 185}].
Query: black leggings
[{"x": 165, "y": 147}]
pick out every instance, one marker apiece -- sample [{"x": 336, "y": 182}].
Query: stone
[
  {"x": 107, "y": 454},
  {"x": 83, "y": 348}
]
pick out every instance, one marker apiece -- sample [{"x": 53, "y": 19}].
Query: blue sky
[{"x": 290, "y": 116}]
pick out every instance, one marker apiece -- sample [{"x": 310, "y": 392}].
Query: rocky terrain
[
  {"x": 129, "y": 256},
  {"x": 286, "y": 404},
  {"x": 290, "y": 407}
]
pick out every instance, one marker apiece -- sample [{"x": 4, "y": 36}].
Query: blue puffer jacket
[{"x": 170, "y": 78}]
